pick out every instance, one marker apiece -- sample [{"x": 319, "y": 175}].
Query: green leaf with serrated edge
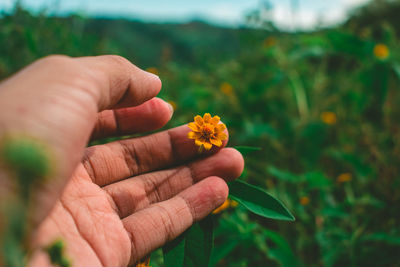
[
  {"x": 247, "y": 149},
  {"x": 258, "y": 201},
  {"x": 191, "y": 249}
]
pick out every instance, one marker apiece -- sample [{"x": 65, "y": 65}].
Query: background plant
[{"x": 322, "y": 105}]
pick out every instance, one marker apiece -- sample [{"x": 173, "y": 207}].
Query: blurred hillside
[
  {"x": 323, "y": 106},
  {"x": 146, "y": 44}
]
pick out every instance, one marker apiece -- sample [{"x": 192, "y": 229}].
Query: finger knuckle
[
  {"x": 119, "y": 60},
  {"x": 167, "y": 224},
  {"x": 56, "y": 60}
]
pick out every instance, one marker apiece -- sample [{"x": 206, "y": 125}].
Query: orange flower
[
  {"x": 207, "y": 131},
  {"x": 229, "y": 203},
  {"x": 344, "y": 177},
  {"x": 304, "y": 201},
  {"x": 226, "y": 88},
  {"x": 381, "y": 51},
  {"x": 328, "y": 117}
]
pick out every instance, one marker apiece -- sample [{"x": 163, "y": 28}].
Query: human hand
[{"x": 112, "y": 204}]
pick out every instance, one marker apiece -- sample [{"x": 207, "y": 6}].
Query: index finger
[
  {"x": 119, "y": 83},
  {"x": 56, "y": 101}
]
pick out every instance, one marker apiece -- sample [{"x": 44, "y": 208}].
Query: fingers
[
  {"x": 139, "y": 192},
  {"x": 56, "y": 101},
  {"x": 149, "y": 116},
  {"x": 152, "y": 227},
  {"x": 119, "y": 160},
  {"x": 118, "y": 83}
]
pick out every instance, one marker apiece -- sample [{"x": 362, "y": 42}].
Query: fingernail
[
  {"x": 171, "y": 108},
  {"x": 154, "y": 75}
]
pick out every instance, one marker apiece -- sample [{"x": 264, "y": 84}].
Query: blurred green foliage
[{"x": 323, "y": 106}]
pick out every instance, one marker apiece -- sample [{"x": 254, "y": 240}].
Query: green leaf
[
  {"x": 223, "y": 251},
  {"x": 382, "y": 237},
  {"x": 281, "y": 251},
  {"x": 174, "y": 251},
  {"x": 258, "y": 128},
  {"x": 284, "y": 175},
  {"x": 317, "y": 180},
  {"x": 246, "y": 149},
  {"x": 396, "y": 69},
  {"x": 258, "y": 201},
  {"x": 356, "y": 161},
  {"x": 191, "y": 249}
]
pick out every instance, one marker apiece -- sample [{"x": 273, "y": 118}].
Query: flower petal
[
  {"x": 193, "y": 135},
  {"x": 207, "y": 117},
  {"x": 207, "y": 146},
  {"x": 198, "y": 142},
  {"x": 220, "y": 127},
  {"x": 215, "y": 120},
  {"x": 193, "y": 127},
  {"x": 222, "y": 136},
  {"x": 198, "y": 119},
  {"x": 216, "y": 142}
]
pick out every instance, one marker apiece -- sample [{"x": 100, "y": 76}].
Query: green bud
[
  {"x": 56, "y": 254},
  {"x": 26, "y": 157}
]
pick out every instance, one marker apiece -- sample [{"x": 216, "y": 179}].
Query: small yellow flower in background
[
  {"x": 233, "y": 203},
  {"x": 328, "y": 117},
  {"x": 269, "y": 41},
  {"x": 226, "y": 88},
  {"x": 173, "y": 104},
  {"x": 304, "y": 201},
  {"x": 344, "y": 177},
  {"x": 229, "y": 203},
  {"x": 381, "y": 51},
  {"x": 207, "y": 131},
  {"x": 153, "y": 70}
]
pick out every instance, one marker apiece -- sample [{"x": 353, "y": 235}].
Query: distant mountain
[{"x": 152, "y": 43}]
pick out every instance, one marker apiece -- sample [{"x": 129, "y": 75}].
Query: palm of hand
[
  {"x": 117, "y": 214},
  {"x": 126, "y": 198}
]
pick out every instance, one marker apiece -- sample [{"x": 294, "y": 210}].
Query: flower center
[{"x": 207, "y": 131}]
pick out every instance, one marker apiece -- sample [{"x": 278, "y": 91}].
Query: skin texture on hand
[{"x": 112, "y": 204}]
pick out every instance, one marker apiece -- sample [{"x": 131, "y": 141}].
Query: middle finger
[
  {"x": 133, "y": 194},
  {"x": 122, "y": 159}
]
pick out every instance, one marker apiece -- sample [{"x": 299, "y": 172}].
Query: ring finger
[{"x": 133, "y": 194}]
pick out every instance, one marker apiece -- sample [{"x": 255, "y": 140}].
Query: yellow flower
[
  {"x": 226, "y": 88},
  {"x": 304, "y": 201},
  {"x": 381, "y": 51},
  {"x": 153, "y": 70},
  {"x": 344, "y": 177},
  {"x": 207, "y": 131},
  {"x": 328, "y": 117},
  {"x": 229, "y": 203}
]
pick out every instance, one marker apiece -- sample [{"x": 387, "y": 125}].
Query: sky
[{"x": 308, "y": 14}]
